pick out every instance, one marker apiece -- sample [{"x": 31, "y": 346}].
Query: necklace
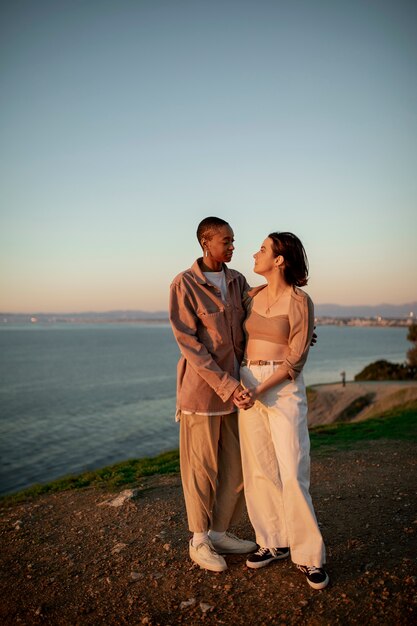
[{"x": 269, "y": 306}]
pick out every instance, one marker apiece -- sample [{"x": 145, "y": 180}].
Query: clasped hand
[{"x": 244, "y": 398}]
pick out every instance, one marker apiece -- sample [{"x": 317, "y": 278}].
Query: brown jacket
[
  {"x": 209, "y": 334},
  {"x": 301, "y": 319}
]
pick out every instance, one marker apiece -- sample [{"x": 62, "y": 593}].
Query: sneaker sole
[
  {"x": 257, "y": 565},
  {"x": 319, "y": 585},
  {"x": 212, "y": 567}
]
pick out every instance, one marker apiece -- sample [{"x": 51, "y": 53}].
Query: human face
[
  {"x": 220, "y": 246},
  {"x": 265, "y": 261}
]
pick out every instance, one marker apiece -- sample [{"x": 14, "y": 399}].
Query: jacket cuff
[{"x": 227, "y": 388}]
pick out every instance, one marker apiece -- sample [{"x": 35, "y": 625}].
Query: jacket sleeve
[
  {"x": 301, "y": 332},
  {"x": 184, "y": 323}
]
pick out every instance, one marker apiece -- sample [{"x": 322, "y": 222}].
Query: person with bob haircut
[
  {"x": 206, "y": 314},
  {"x": 274, "y": 439}
]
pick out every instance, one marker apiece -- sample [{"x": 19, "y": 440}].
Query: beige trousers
[
  {"x": 211, "y": 471},
  {"x": 275, "y": 447}
]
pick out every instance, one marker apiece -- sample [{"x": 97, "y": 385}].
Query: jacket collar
[{"x": 199, "y": 274}]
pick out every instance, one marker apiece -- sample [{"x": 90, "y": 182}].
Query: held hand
[
  {"x": 242, "y": 399},
  {"x": 243, "y": 402},
  {"x": 246, "y": 398},
  {"x": 313, "y": 338},
  {"x": 253, "y": 392},
  {"x": 239, "y": 389}
]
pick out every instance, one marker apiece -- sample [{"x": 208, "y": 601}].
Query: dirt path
[
  {"x": 67, "y": 560},
  {"x": 331, "y": 402}
]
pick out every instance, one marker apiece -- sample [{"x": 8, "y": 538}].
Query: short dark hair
[
  {"x": 296, "y": 263},
  {"x": 207, "y": 227}
]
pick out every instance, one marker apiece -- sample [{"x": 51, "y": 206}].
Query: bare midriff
[{"x": 258, "y": 349}]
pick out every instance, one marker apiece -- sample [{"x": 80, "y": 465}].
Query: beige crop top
[
  {"x": 293, "y": 333},
  {"x": 275, "y": 329}
]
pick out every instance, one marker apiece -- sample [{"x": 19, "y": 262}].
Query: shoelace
[
  {"x": 262, "y": 551},
  {"x": 312, "y": 569}
]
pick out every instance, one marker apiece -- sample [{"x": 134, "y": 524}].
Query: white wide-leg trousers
[{"x": 275, "y": 447}]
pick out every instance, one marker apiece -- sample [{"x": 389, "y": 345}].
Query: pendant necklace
[{"x": 269, "y": 307}]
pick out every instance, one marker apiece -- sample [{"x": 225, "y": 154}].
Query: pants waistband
[{"x": 260, "y": 362}]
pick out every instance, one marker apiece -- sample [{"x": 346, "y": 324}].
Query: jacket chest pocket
[{"x": 212, "y": 327}]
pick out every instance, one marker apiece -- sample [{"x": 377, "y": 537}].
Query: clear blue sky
[{"x": 125, "y": 122}]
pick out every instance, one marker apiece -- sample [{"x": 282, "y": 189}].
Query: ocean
[{"x": 78, "y": 397}]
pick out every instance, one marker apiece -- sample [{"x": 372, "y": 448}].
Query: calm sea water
[{"x": 78, "y": 397}]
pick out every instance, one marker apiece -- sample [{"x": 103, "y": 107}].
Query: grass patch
[
  {"x": 112, "y": 477},
  {"x": 398, "y": 423}
]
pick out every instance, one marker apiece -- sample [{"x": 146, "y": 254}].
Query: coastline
[
  {"x": 363, "y": 323},
  {"x": 330, "y": 404},
  {"x": 45, "y": 319}
]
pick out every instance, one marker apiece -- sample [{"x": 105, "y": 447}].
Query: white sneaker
[
  {"x": 205, "y": 556},
  {"x": 230, "y": 544}
]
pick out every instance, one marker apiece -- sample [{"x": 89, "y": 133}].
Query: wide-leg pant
[
  {"x": 275, "y": 447},
  {"x": 211, "y": 471}
]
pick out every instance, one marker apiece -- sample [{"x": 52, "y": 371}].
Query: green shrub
[{"x": 384, "y": 370}]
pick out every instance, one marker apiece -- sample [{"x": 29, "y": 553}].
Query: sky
[{"x": 123, "y": 123}]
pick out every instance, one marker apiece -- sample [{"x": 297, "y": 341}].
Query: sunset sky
[{"x": 125, "y": 122}]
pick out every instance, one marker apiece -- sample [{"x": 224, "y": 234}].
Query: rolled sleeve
[{"x": 301, "y": 332}]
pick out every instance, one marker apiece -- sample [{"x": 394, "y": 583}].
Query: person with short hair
[
  {"x": 274, "y": 437},
  {"x": 206, "y": 315}
]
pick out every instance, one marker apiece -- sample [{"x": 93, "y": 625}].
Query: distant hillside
[
  {"x": 382, "y": 310},
  {"x": 86, "y": 317},
  {"x": 391, "y": 311}
]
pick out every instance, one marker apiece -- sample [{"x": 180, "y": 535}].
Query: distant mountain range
[
  {"x": 380, "y": 310},
  {"x": 391, "y": 311},
  {"x": 88, "y": 316}
]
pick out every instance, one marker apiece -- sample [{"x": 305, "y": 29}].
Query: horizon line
[{"x": 165, "y": 311}]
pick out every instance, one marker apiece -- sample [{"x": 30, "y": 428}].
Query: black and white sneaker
[
  {"x": 316, "y": 576},
  {"x": 264, "y": 556}
]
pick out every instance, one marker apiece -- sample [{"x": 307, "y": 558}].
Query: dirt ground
[{"x": 67, "y": 559}]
